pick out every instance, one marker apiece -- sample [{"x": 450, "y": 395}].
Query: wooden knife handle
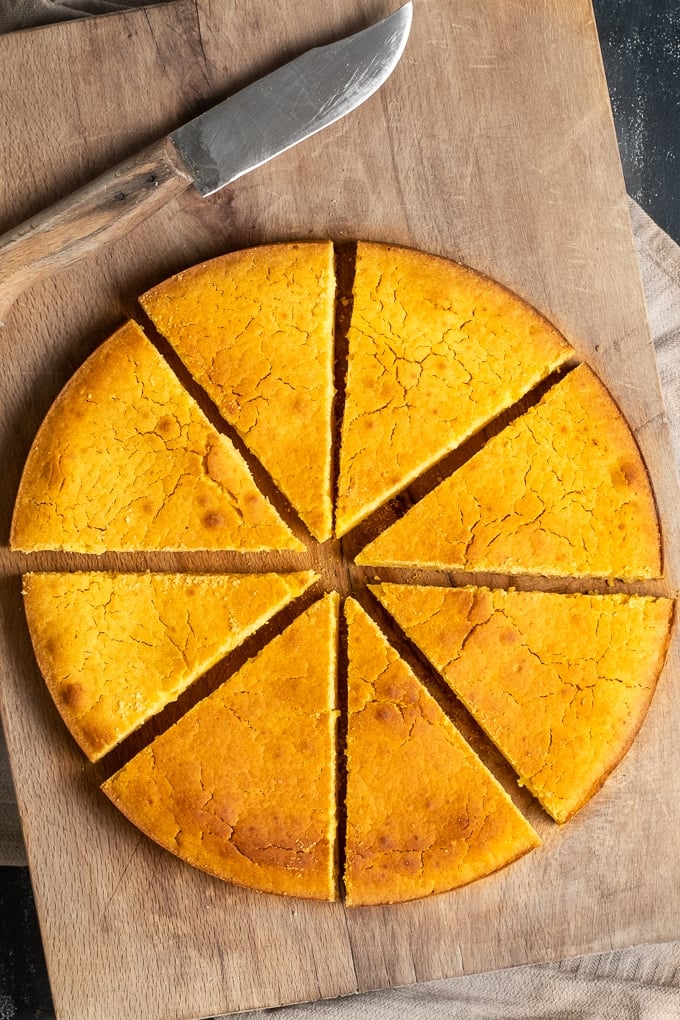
[{"x": 98, "y": 213}]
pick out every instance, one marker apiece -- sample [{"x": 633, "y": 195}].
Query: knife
[{"x": 227, "y": 141}]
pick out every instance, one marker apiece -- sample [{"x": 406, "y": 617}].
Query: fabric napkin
[{"x": 638, "y": 984}]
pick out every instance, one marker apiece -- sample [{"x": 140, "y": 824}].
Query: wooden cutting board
[{"x": 492, "y": 143}]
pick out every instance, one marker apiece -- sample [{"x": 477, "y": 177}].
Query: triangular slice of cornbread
[
  {"x": 560, "y": 683},
  {"x": 562, "y": 490},
  {"x": 435, "y": 351},
  {"x": 255, "y": 329},
  {"x": 423, "y": 813},
  {"x": 125, "y": 459},
  {"x": 243, "y": 785},
  {"x": 114, "y": 649}
]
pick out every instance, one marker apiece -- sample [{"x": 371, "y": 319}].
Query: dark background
[{"x": 640, "y": 42}]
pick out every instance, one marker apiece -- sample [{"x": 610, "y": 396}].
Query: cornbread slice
[
  {"x": 114, "y": 649},
  {"x": 255, "y": 329},
  {"x": 560, "y": 683},
  {"x": 423, "y": 813},
  {"x": 562, "y": 490},
  {"x": 243, "y": 785},
  {"x": 125, "y": 459},
  {"x": 435, "y": 351}
]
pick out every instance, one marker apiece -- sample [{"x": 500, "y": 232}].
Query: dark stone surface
[
  {"x": 640, "y": 42},
  {"x": 24, "y": 988}
]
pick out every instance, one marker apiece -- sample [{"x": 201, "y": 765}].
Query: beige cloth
[
  {"x": 637, "y": 984},
  {"x": 634, "y": 984}
]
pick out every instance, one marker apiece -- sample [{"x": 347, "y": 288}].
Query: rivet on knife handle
[{"x": 234, "y": 137}]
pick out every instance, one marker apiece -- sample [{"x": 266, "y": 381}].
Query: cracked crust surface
[
  {"x": 435, "y": 351},
  {"x": 255, "y": 329},
  {"x": 125, "y": 460},
  {"x": 114, "y": 649},
  {"x": 563, "y": 490},
  {"x": 424, "y": 815},
  {"x": 243, "y": 785},
  {"x": 560, "y": 683}
]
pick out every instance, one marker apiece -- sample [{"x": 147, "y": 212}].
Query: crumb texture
[
  {"x": 423, "y": 813},
  {"x": 255, "y": 329},
  {"x": 126, "y": 460},
  {"x": 562, "y": 490},
  {"x": 117, "y": 648},
  {"x": 243, "y": 785},
  {"x": 435, "y": 351},
  {"x": 560, "y": 683}
]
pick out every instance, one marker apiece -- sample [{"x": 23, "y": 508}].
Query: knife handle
[{"x": 98, "y": 213}]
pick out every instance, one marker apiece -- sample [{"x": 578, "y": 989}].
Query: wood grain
[
  {"x": 492, "y": 143},
  {"x": 97, "y": 214}
]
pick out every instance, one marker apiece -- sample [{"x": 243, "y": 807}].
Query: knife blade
[{"x": 237, "y": 135}]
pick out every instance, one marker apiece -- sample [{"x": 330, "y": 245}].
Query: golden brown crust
[
  {"x": 125, "y": 459},
  {"x": 560, "y": 683},
  {"x": 114, "y": 649},
  {"x": 243, "y": 785},
  {"x": 423, "y": 813},
  {"x": 435, "y": 351},
  {"x": 563, "y": 490},
  {"x": 255, "y": 329}
]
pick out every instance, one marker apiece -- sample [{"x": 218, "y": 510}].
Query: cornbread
[
  {"x": 255, "y": 329},
  {"x": 435, "y": 351},
  {"x": 114, "y": 649},
  {"x": 423, "y": 813},
  {"x": 562, "y": 490},
  {"x": 243, "y": 785},
  {"x": 125, "y": 459},
  {"x": 560, "y": 683}
]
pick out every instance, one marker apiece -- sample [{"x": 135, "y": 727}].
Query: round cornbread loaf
[{"x": 295, "y": 412}]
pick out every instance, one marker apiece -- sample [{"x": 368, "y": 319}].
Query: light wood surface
[{"x": 492, "y": 143}]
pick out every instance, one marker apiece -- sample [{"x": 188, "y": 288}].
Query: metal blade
[{"x": 291, "y": 103}]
